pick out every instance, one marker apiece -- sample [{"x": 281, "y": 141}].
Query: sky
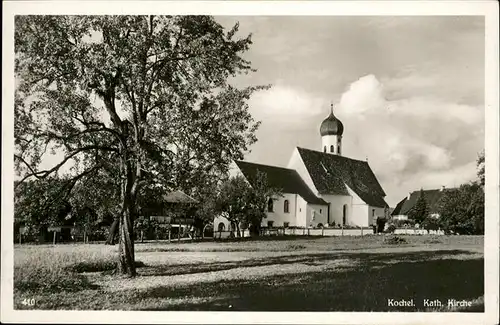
[{"x": 409, "y": 91}]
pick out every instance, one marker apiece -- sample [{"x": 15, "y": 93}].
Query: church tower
[{"x": 331, "y": 131}]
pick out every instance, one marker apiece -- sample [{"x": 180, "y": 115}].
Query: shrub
[
  {"x": 391, "y": 228},
  {"x": 394, "y": 240},
  {"x": 380, "y": 224},
  {"x": 408, "y": 223}
]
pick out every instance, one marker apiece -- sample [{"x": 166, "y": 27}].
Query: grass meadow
[{"x": 269, "y": 274}]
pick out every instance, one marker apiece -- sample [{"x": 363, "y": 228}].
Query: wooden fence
[
  {"x": 301, "y": 232},
  {"x": 329, "y": 231},
  {"x": 414, "y": 231},
  {"x": 326, "y": 232}
]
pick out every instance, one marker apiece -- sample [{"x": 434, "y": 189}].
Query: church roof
[
  {"x": 331, "y": 173},
  {"x": 431, "y": 196},
  {"x": 288, "y": 180},
  {"x": 331, "y": 126}
]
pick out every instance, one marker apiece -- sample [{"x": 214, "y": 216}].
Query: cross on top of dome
[{"x": 331, "y": 125}]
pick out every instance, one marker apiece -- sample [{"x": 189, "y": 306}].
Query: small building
[
  {"x": 406, "y": 204},
  {"x": 174, "y": 211}
]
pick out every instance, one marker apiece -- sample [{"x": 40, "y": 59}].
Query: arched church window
[
  {"x": 324, "y": 149},
  {"x": 331, "y": 148},
  {"x": 338, "y": 149},
  {"x": 270, "y": 205},
  {"x": 286, "y": 206}
]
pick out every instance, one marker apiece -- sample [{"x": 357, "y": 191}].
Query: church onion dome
[{"x": 331, "y": 126}]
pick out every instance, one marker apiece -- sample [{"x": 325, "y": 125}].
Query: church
[{"x": 319, "y": 187}]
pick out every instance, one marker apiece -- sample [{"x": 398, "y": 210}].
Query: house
[
  {"x": 319, "y": 187},
  {"x": 432, "y": 197},
  {"x": 174, "y": 211}
]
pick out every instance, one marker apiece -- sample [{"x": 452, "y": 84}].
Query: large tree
[
  {"x": 462, "y": 210},
  {"x": 120, "y": 90}
]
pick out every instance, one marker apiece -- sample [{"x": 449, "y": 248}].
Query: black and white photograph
[{"x": 237, "y": 159}]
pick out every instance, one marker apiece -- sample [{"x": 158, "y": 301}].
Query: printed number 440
[{"x": 28, "y": 302}]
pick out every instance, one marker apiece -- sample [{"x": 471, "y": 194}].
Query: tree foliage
[
  {"x": 420, "y": 211},
  {"x": 480, "y": 168},
  {"x": 462, "y": 210},
  {"x": 39, "y": 203},
  {"x": 233, "y": 200},
  {"x": 245, "y": 203},
  {"x": 146, "y": 97}
]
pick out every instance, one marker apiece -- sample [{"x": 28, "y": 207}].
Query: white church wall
[
  {"x": 278, "y": 216},
  {"x": 297, "y": 164},
  {"x": 337, "y": 203},
  {"x": 301, "y": 213},
  {"x": 359, "y": 215},
  {"x": 316, "y": 214},
  {"x": 360, "y": 211},
  {"x": 328, "y": 141}
]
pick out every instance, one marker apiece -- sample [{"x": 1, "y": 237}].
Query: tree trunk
[
  {"x": 126, "y": 256},
  {"x": 112, "y": 231},
  {"x": 238, "y": 232},
  {"x": 203, "y": 232},
  {"x": 231, "y": 229},
  {"x": 126, "y": 263}
]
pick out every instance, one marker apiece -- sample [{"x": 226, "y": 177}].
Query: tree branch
[{"x": 44, "y": 173}]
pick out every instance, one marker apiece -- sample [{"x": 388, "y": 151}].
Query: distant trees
[
  {"x": 245, "y": 204},
  {"x": 39, "y": 204},
  {"x": 232, "y": 201},
  {"x": 462, "y": 210},
  {"x": 420, "y": 211},
  {"x": 458, "y": 211}
]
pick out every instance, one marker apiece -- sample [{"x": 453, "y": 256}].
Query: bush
[
  {"x": 408, "y": 223},
  {"x": 391, "y": 228},
  {"x": 395, "y": 240}
]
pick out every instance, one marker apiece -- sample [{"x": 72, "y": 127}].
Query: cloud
[
  {"x": 363, "y": 95},
  {"x": 286, "y": 103},
  {"x": 411, "y": 142}
]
